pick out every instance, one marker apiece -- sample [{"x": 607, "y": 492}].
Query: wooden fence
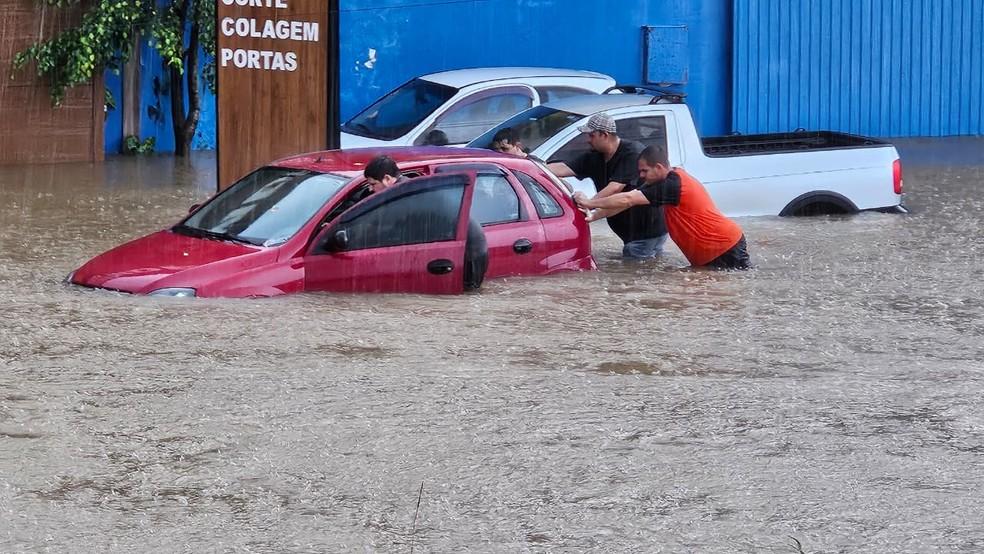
[{"x": 31, "y": 130}]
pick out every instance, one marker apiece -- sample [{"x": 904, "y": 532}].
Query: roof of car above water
[
  {"x": 587, "y": 104},
  {"x": 355, "y": 159},
  {"x": 463, "y": 77}
]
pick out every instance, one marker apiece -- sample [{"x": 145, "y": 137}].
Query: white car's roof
[
  {"x": 463, "y": 77},
  {"x": 588, "y": 104}
]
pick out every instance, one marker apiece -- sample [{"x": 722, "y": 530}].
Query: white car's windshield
[
  {"x": 265, "y": 208},
  {"x": 397, "y": 113},
  {"x": 533, "y": 127}
]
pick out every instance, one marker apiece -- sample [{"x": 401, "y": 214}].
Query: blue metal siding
[{"x": 872, "y": 67}]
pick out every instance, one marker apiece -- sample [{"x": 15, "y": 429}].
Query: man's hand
[{"x": 579, "y": 198}]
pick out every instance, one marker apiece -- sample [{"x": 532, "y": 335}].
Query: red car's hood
[{"x": 140, "y": 264}]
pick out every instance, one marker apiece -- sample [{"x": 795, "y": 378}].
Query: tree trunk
[{"x": 185, "y": 124}]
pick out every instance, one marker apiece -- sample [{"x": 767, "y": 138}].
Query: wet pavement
[{"x": 831, "y": 396}]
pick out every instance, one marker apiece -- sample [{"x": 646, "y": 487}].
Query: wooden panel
[
  {"x": 31, "y": 129},
  {"x": 272, "y": 69}
]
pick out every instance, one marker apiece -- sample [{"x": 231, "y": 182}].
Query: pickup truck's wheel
[{"x": 819, "y": 203}]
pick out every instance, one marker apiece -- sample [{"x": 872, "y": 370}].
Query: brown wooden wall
[
  {"x": 31, "y": 130},
  {"x": 263, "y": 114}
]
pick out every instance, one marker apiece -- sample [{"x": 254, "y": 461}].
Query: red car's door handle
[
  {"x": 523, "y": 246},
  {"x": 440, "y": 267}
]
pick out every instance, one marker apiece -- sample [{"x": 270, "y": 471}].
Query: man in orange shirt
[{"x": 704, "y": 234}]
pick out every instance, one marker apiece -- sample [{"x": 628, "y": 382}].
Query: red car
[{"x": 301, "y": 224}]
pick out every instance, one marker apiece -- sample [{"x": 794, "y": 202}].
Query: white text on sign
[{"x": 269, "y": 29}]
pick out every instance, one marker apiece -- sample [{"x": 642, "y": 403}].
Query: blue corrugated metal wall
[{"x": 873, "y": 67}]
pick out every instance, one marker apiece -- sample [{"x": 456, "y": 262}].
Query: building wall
[
  {"x": 874, "y": 67},
  {"x": 387, "y": 42},
  {"x": 31, "y": 130},
  {"x": 414, "y": 37}
]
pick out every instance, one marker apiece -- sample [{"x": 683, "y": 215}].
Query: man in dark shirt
[{"x": 611, "y": 165}]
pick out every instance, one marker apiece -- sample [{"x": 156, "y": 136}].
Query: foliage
[
  {"x": 104, "y": 39},
  {"x": 133, "y": 145}
]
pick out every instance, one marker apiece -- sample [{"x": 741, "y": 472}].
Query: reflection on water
[{"x": 832, "y": 394}]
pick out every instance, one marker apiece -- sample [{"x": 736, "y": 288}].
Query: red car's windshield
[{"x": 264, "y": 208}]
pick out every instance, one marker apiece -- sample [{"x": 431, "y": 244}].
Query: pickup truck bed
[{"x": 778, "y": 143}]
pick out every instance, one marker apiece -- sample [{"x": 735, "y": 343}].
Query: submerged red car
[{"x": 301, "y": 224}]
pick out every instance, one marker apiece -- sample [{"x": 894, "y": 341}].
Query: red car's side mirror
[
  {"x": 194, "y": 207},
  {"x": 337, "y": 241}
]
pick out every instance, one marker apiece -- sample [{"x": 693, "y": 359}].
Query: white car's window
[
  {"x": 494, "y": 200},
  {"x": 472, "y": 116},
  {"x": 646, "y": 130},
  {"x": 549, "y": 94},
  {"x": 533, "y": 127},
  {"x": 572, "y": 150},
  {"x": 397, "y": 113}
]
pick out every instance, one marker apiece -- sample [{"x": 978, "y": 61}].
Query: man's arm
[
  {"x": 621, "y": 200},
  {"x": 560, "y": 169},
  {"x": 595, "y": 215},
  {"x": 612, "y": 188}
]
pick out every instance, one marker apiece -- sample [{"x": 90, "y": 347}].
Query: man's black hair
[
  {"x": 380, "y": 166},
  {"x": 655, "y": 154},
  {"x": 506, "y": 134},
  {"x": 436, "y": 137}
]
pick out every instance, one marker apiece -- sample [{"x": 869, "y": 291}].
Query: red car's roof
[{"x": 355, "y": 159}]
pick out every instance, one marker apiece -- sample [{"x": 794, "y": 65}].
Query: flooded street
[{"x": 831, "y": 396}]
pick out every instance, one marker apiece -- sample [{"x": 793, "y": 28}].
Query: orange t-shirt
[{"x": 693, "y": 221}]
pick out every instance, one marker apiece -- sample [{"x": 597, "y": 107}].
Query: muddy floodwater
[{"x": 830, "y": 400}]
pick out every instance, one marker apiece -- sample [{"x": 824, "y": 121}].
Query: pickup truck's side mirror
[{"x": 337, "y": 241}]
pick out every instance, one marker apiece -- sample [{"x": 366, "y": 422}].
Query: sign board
[{"x": 274, "y": 60}]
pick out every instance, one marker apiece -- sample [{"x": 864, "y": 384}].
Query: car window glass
[
  {"x": 494, "y": 200},
  {"x": 546, "y": 205},
  {"x": 533, "y": 127},
  {"x": 267, "y": 206},
  {"x": 573, "y": 149},
  {"x": 549, "y": 94},
  {"x": 395, "y": 114},
  {"x": 476, "y": 114},
  {"x": 647, "y": 130},
  {"x": 427, "y": 216}
]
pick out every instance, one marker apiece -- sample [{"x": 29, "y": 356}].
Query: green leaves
[
  {"x": 133, "y": 145},
  {"x": 103, "y": 39}
]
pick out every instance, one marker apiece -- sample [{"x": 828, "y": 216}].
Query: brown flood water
[{"x": 832, "y": 395}]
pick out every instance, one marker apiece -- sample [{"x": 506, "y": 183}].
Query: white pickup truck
[{"x": 797, "y": 173}]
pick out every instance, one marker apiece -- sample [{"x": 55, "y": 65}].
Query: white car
[
  {"x": 796, "y": 173},
  {"x": 454, "y": 107}
]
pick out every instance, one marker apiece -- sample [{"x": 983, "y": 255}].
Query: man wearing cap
[{"x": 611, "y": 165}]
